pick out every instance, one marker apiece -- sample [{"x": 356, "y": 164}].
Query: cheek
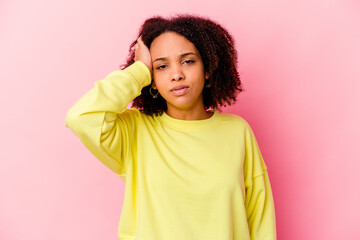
[
  {"x": 200, "y": 80},
  {"x": 159, "y": 82}
]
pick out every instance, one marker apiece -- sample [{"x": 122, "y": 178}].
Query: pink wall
[{"x": 300, "y": 67}]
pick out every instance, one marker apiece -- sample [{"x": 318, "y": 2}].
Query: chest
[{"x": 206, "y": 161}]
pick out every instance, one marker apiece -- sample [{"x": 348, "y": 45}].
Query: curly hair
[{"x": 216, "y": 47}]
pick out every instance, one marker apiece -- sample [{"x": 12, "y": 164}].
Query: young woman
[{"x": 190, "y": 172}]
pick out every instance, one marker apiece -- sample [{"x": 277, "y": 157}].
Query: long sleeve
[
  {"x": 100, "y": 118},
  {"x": 259, "y": 201}
]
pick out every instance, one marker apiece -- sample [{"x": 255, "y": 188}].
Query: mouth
[{"x": 179, "y": 90}]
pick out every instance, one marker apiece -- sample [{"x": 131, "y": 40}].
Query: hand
[{"x": 142, "y": 53}]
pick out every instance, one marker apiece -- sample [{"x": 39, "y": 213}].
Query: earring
[
  {"x": 208, "y": 83},
  {"x": 153, "y": 95}
]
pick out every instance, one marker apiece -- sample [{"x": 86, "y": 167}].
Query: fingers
[
  {"x": 139, "y": 42},
  {"x": 142, "y": 53}
]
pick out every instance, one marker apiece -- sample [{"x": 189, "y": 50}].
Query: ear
[
  {"x": 153, "y": 85},
  {"x": 207, "y": 75}
]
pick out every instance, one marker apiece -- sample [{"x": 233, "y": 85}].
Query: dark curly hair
[{"x": 216, "y": 47}]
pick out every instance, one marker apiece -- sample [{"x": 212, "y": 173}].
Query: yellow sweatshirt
[{"x": 194, "y": 180}]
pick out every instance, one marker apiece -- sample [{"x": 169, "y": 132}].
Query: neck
[{"x": 195, "y": 113}]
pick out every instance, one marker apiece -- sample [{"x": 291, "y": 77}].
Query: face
[{"x": 178, "y": 71}]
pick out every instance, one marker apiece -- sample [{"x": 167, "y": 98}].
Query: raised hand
[{"x": 142, "y": 53}]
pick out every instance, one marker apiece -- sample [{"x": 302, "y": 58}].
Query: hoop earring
[{"x": 153, "y": 95}]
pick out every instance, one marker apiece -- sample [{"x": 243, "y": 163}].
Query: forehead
[{"x": 170, "y": 43}]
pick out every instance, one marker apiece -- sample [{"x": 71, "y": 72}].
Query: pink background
[{"x": 299, "y": 62}]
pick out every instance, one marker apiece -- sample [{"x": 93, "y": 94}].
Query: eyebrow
[{"x": 181, "y": 55}]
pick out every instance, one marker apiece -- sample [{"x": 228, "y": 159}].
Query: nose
[{"x": 177, "y": 73}]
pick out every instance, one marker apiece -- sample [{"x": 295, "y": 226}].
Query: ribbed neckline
[{"x": 190, "y": 125}]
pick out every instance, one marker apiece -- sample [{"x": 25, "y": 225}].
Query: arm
[
  {"x": 259, "y": 201},
  {"x": 100, "y": 118}
]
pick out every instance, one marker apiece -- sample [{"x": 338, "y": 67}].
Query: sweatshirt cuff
[{"x": 140, "y": 72}]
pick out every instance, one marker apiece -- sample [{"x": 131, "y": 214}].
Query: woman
[{"x": 190, "y": 171}]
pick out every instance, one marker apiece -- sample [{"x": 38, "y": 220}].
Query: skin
[{"x": 173, "y": 61}]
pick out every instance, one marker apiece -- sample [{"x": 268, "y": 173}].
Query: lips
[{"x": 179, "y": 90}]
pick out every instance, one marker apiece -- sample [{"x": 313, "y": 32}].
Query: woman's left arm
[{"x": 259, "y": 203}]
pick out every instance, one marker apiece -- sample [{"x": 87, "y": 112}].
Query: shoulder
[
  {"x": 129, "y": 114},
  {"x": 234, "y": 121},
  {"x": 236, "y": 125},
  {"x": 141, "y": 116},
  {"x": 131, "y": 111}
]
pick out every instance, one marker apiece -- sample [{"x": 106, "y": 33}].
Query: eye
[
  {"x": 188, "y": 61},
  {"x": 161, "y": 67}
]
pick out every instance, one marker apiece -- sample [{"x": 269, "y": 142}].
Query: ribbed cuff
[{"x": 140, "y": 72}]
